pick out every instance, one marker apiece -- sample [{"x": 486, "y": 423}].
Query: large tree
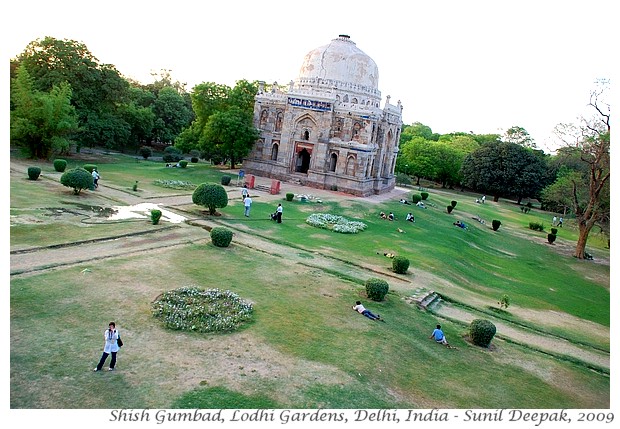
[
  {"x": 504, "y": 169},
  {"x": 518, "y": 135},
  {"x": 588, "y": 193},
  {"x": 97, "y": 89},
  {"x": 42, "y": 123}
]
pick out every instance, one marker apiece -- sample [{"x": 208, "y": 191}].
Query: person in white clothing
[
  {"x": 96, "y": 177},
  {"x": 247, "y": 203},
  {"x": 363, "y": 311},
  {"x": 111, "y": 336}
]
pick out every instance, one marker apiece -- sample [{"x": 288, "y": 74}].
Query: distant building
[{"x": 327, "y": 130}]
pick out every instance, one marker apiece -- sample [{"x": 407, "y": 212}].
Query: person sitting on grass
[
  {"x": 382, "y": 215},
  {"x": 439, "y": 337},
  {"x": 391, "y": 216},
  {"x": 363, "y": 311},
  {"x": 410, "y": 217}
]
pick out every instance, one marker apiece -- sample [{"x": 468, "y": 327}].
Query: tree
[
  {"x": 518, "y": 135},
  {"x": 589, "y": 193},
  {"x": 97, "y": 89},
  {"x": 171, "y": 115},
  {"x": 230, "y": 131},
  {"x": 78, "y": 179},
  {"x": 416, "y": 158},
  {"x": 504, "y": 169},
  {"x": 41, "y": 123},
  {"x": 211, "y": 196}
]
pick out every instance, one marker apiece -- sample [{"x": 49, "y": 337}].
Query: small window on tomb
[
  {"x": 274, "y": 152},
  {"x": 306, "y": 135}
]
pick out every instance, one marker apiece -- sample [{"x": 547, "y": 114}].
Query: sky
[{"x": 469, "y": 66}]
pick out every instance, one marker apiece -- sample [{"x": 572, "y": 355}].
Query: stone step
[{"x": 428, "y": 300}]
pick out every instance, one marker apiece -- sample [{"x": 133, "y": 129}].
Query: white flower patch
[{"x": 335, "y": 223}]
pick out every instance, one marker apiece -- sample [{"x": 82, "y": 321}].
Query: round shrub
[
  {"x": 551, "y": 238},
  {"x": 211, "y": 196},
  {"x": 424, "y": 195},
  {"x": 400, "y": 264},
  {"x": 183, "y": 163},
  {"x": 226, "y": 180},
  {"x": 453, "y": 203},
  {"x": 221, "y": 237},
  {"x": 172, "y": 154},
  {"x": 34, "y": 173},
  {"x": 554, "y": 231},
  {"x": 202, "y": 310},
  {"x": 450, "y": 208},
  {"x": 78, "y": 179},
  {"x": 376, "y": 289},
  {"x": 89, "y": 167},
  {"x": 481, "y": 332},
  {"x": 290, "y": 196},
  {"x": 416, "y": 198},
  {"x": 155, "y": 216},
  {"x": 496, "y": 223},
  {"x": 146, "y": 152},
  {"x": 60, "y": 165}
]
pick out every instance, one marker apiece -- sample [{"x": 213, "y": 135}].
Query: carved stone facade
[{"x": 327, "y": 129}]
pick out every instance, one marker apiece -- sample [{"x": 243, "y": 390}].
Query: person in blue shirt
[{"x": 439, "y": 336}]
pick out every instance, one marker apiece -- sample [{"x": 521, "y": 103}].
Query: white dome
[{"x": 341, "y": 60}]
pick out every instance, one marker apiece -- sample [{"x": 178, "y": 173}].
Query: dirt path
[{"x": 34, "y": 261}]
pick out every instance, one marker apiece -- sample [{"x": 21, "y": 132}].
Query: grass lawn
[{"x": 305, "y": 348}]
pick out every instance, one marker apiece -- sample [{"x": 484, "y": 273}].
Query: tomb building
[{"x": 326, "y": 129}]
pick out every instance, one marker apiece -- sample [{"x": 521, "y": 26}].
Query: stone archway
[{"x": 302, "y": 163}]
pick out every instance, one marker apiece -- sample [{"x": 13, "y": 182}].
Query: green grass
[{"x": 305, "y": 348}]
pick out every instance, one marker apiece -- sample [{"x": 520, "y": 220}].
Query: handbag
[{"x": 119, "y": 342}]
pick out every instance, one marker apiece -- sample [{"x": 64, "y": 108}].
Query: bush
[
  {"x": 289, "y": 196},
  {"x": 89, "y": 167},
  {"x": 172, "y": 154},
  {"x": 450, "y": 208},
  {"x": 155, "y": 216},
  {"x": 416, "y": 198},
  {"x": 194, "y": 159},
  {"x": 403, "y": 179},
  {"x": 537, "y": 226},
  {"x": 424, "y": 195},
  {"x": 551, "y": 238},
  {"x": 211, "y": 196},
  {"x": 481, "y": 332},
  {"x": 453, "y": 203},
  {"x": 400, "y": 264},
  {"x": 34, "y": 173},
  {"x": 504, "y": 302},
  {"x": 183, "y": 163},
  {"x": 135, "y": 186},
  {"x": 376, "y": 289},
  {"x": 146, "y": 152},
  {"x": 496, "y": 223},
  {"x": 554, "y": 231},
  {"x": 78, "y": 179},
  {"x": 225, "y": 180},
  {"x": 60, "y": 165},
  {"x": 221, "y": 237},
  {"x": 199, "y": 310}
]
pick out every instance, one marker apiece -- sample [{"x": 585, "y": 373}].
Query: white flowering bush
[
  {"x": 175, "y": 184},
  {"x": 335, "y": 223},
  {"x": 202, "y": 310}
]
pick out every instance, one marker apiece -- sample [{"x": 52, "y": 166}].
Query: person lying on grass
[{"x": 363, "y": 311}]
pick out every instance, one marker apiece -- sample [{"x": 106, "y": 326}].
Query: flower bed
[
  {"x": 175, "y": 184},
  {"x": 335, "y": 223},
  {"x": 192, "y": 309}
]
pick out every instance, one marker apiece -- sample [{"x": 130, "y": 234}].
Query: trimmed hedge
[
  {"x": 34, "y": 173},
  {"x": 60, "y": 165},
  {"x": 221, "y": 237},
  {"x": 225, "y": 180},
  {"x": 376, "y": 288},
  {"x": 496, "y": 223},
  {"x": 400, "y": 264},
  {"x": 155, "y": 216},
  {"x": 481, "y": 332}
]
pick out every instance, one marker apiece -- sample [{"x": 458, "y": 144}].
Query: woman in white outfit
[{"x": 111, "y": 336}]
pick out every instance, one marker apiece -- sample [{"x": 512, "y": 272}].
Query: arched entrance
[{"x": 302, "y": 163}]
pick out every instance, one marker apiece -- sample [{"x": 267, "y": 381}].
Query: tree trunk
[
  {"x": 495, "y": 198},
  {"x": 580, "y": 249}
]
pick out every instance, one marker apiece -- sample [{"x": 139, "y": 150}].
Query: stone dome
[{"x": 341, "y": 60}]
